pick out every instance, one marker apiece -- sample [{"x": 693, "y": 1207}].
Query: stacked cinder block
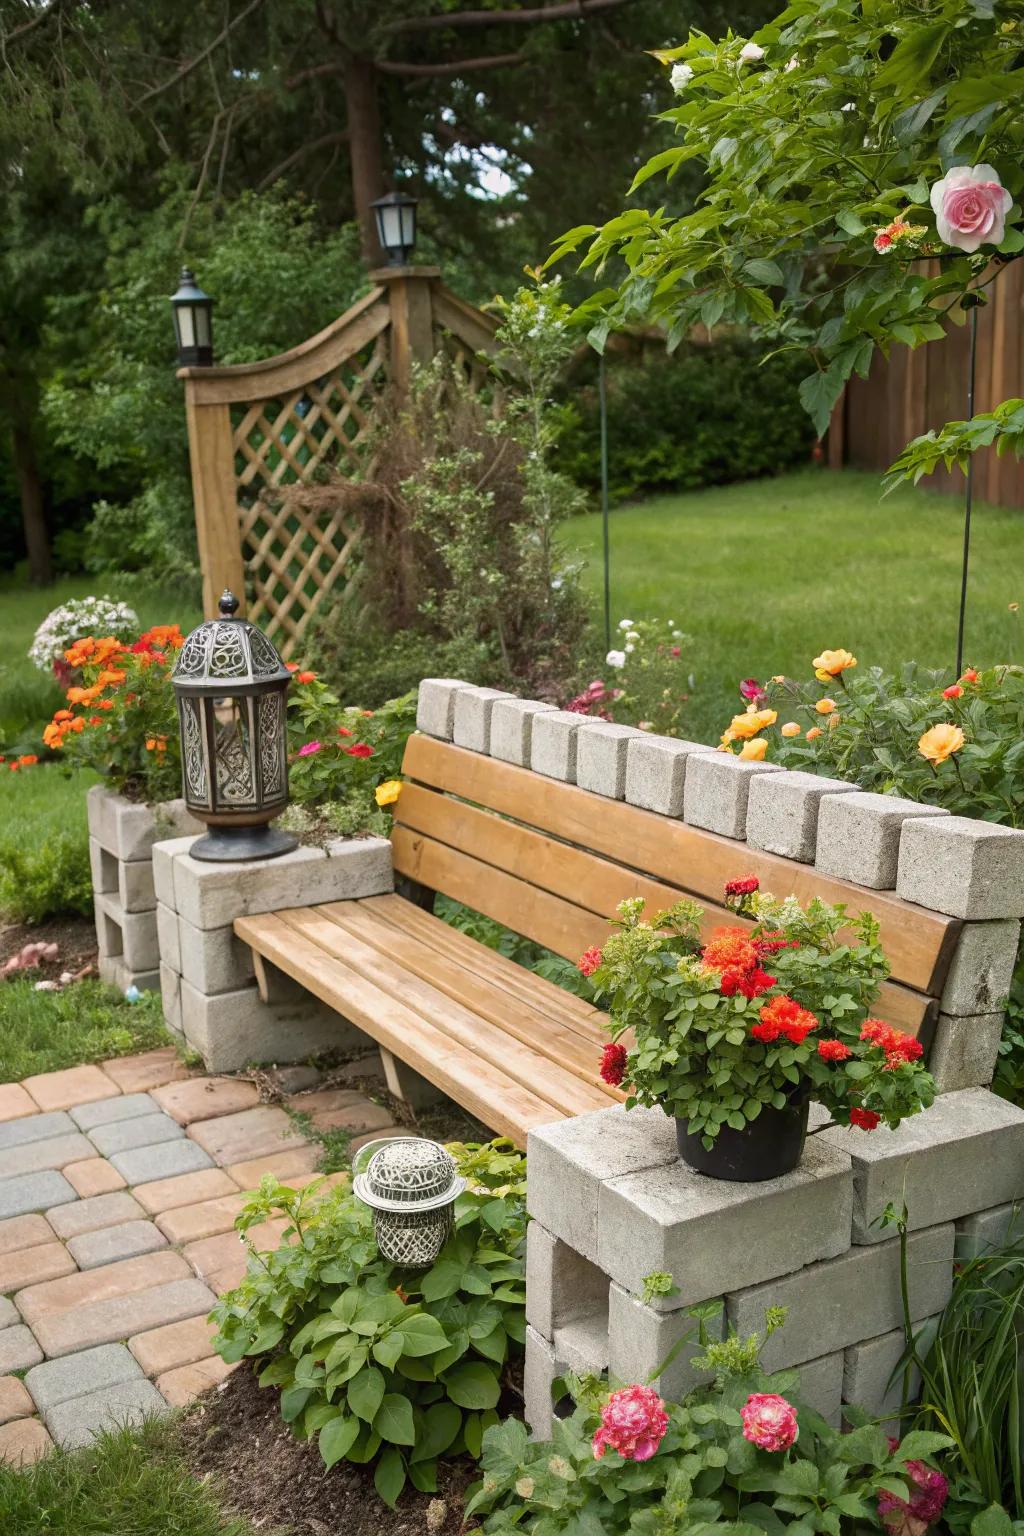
[
  {"x": 121, "y": 838},
  {"x": 208, "y": 984},
  {"x": 967, "y": 869}
]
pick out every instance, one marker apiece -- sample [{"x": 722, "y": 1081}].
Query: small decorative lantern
[
  {"x": 396, "y": 225},
  {"x": 193, "y": 322},
  {"x": 231, "y": 687},
  {"x": 410, "y": 1185}
]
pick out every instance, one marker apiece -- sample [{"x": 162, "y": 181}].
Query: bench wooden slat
[
  {"x": 919, "y": 943},
  {"x": 567, "y": 1091},
  {"x": 494, "y": 1097}
]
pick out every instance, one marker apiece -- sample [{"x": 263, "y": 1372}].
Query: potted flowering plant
[{"x": 736, "y": 1035}]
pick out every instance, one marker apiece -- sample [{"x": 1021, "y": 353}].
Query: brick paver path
[{"x": 119, "y": 1188}]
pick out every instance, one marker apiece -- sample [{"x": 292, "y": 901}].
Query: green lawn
[
  {"x": 764, "y": 575},
  {"x": 47, "y": 1031},
  {"x": 44, "y": 843}
]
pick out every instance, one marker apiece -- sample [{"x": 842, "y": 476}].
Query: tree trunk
[
  {"x": 33, "y": 515},
  {"x": 364, "y": 144}
]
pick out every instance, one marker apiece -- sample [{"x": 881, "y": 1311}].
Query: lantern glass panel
[
  {"x": 390, "y": 216},
  {"x": 201, "y": 323},
  {"x": 236, "y": 780},
  {"x": 186, "y": 329},
  {"x": 407, "y": 223}
]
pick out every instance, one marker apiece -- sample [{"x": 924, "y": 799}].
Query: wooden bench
[{"x": 550, "y": 861}]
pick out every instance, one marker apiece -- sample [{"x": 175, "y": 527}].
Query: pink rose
[
  {"x": 309, "y": 748},
  {"x": 751, "y": 690},
  {"x": 769, "y": 1421},
  {"x": 913, "y": 1516},
  {"x": 633, "y": 1422},
  {"x": 970, "y": 205}
]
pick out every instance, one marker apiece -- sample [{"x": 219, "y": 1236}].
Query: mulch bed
[
  {"x": 75, "y": 938},
  {"x": 235, "y": 1436}
]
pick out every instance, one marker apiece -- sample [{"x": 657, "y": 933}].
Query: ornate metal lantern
[
  {"x": 193, "y": 322},
  {"x": 232, "y": 687},
  {"x": 410, "y": 1185},
  {"x": 396, "y": 225}
]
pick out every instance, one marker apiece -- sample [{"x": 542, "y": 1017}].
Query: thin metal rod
[
  {"x": 968, "y": 498},
  {"x": 603, "y": 397}
]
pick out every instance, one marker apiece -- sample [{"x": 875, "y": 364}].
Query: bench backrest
[{"x": 552, "y": 861}]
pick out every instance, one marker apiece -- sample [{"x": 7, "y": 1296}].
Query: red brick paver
[
  {"x": 164, "y": 1349},
  {"x": 203, "y": 1098},
  {"x": 23, "y": 1232},
  {"x": 15, "y": 1103},
  {"x": 285, "y": 1165},
  {"x": 138, "y": 1074},
  {"x": 79, "y": 1290},
  {"x": 15, "y": 1402},
  {"x": 31, "y": 1266},
  {"x": 260, "y": 1132},
  {"x": 182, "y": 1385},
  {"x": 23, "y": 1441},
  {"x": 93, "y": 1176},
  {"x": 341, "y": 1109},
  {"x": 75, "y": 1085},
  {"x": 185, "y": 1189}
]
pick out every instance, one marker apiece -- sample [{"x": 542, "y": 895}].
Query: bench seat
[{"x": 514, "y": 1049}]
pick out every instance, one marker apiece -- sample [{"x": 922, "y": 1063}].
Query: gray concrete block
[
  {"x": 231, "y": 1030},
  {"x": 129, "y": 936},
  {"x": 847, "y": 1299},
  {"x": 435, "y": 706},
  {"x": 34, "y": 1192},
  {"x": 58, "y": 1381},
  {"x": 964, "y": 1154},
  {"x": 656, "y": 771},
  {"x": 782, "y": 812},
  {"x": 164, "y": 855},
  {"x": 473, "y": 707},
  {"x": 108, "y": 1245},
  {"x": 821, "y": 1387},
  {"x": 707, "y": 1232},
  {"x": 512, "y": 729},
  {"x": 18, "y": 1133},
  {"x": 104, "y": 869},
  {"x": 561, "y": 1285},
  {"x": 717, "y": 789},
  {"x": 214, "y": 959},
  {"x": 641, "y": 1338},
  {"x": 51, "y": 1152},
  {"x": 170, "y": 997},
  {"x": 964, "y": 1051},
  {"x": 601, "y": 758},
  {"x": 989, "y": 1229},
  {"x": 76, "y": 1422},
  {"x": 129, "y": 830},
  {"x": 143, "y": 1131},
  {"x": 115, "y": 973},
  {"x": 569, "y": 1160},
  {"x": 135, "y": 888},
  {"x": 540, "y": 1368},
  {"x": 859, "y": 837},
  {"x": 553, "y": 744},
  {"x": 97, "y": 1211},
  {"x": 981, "y": 971},
  {"x": 582, "y": 1345},
  {"x": 167, "y": 937},
  {"x": 18, "y": 1348},
  {"x": 966, "y": 868},
  {"x": 126, "y": 1106},
  {"x": 141, "y": 1165},
  {"x": 868, "y": 1375},
  {"x": 214, "y": 895}
]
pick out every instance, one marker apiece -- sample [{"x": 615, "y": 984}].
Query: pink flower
[
  {"x": 769, "y": 1421},
  {"x": 751, "y": 689},
  {"x": 970, "y": 205},
  {"x": 633, "y": 1422},
  {"x": 882, "y": 241},
  {"x": 912, "y": 1517},
  {"x": 310, "y": 748}
]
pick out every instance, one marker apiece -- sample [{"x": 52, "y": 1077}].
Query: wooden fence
[
  {"x": 255, "y": 427},
  {"x": 916, "y": 391}
]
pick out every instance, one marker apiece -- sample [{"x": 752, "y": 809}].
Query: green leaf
[
  {"x": 421, "y": 1334},
  {"x": 851, "y": 222},
  {"x": 293, "y": 1400},
  {"x": 366, "y": 1393},
  {"x": 819, "y": 393},
  {"x": 389, "y": 1476},
  {"x": 920, "y": 1443},
  {"x": 393, "y": 1420},
  {"x": 423, "y": 1475},
  {"x": 337, "y": 1438},
  {"x": 441, "y": 1281},
  {"x": 472, "y": 1385},
  {"x": 440, "y": 1424},
  {"x": 993, "y": 1521},
  {"x": 387, "y": 1351},
  {"x": 762, "y": 270}
]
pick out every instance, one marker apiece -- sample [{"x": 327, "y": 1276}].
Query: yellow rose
[
  {"x": 388, "y": 792},
  {"x": 755, "y": 750},
  {"x": 749, "y": 724},
  {"x": 790, "y": 729},
  {"x": 825, "y": 706},
  {"x": 814, "y": 732},
  {"x": 830, "y": 663},
  {"x": 940, "y": 742}
]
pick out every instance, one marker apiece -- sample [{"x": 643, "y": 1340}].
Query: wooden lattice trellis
[{"x": 257, "y": 428}]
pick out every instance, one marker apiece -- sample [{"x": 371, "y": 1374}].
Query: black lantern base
[{"x": 235, "y": 845}]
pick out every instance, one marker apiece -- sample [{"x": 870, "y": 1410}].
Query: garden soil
[{"x": 75, "y": 938}]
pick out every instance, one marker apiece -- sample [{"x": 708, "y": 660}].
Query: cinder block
[
  {"x": 561, "y": 1285},
  {"x": 540, "y": 1369},
  {"x": 964, "y": 1154},
  {"x": 868, "y": 1375},
  {"x": 981, "y": 971},
  {"x": 844, "y": 1300},
  {"x": 601, "y": 758},
  {"x": 214, "y": 895},
  {"x": 859, "y": 837},
  {"x": 707, "y": 1232},
  {"x": 821, "y": 1387},
  {"x": 130, "y": 935},
  {"x": 640, "y": 1340},
  {"x": 553, "y": 745},
  {"x": 989, "y": 1229},
  {"x": 135, "y": 889},
  {"x": 473, "y": 717},
  {"x": 108, "y": 929},
  {"x": 214, "y": 959},
  {"x": 232, "y": 1029},
  {"x": 569, "y": 1160},
  {"x": 965, "y": 1050},
  {"x": 582, "y": 1345},
  {"x": 782, "y": 813},
  {"x": 115, "y": 973},
  {"x": 716, "y": 791},
  {"x": 963, "y": 867},
  {"x": 435, "y": 706},
  {"x": 170, "y": 997},
  {"x": 104, "y": 869},
  {"x": 129, "y": 830},
  {"x": 168, "y": 936},
  {"x": 164, "y": 855},
  {"x": 656, "y": 771},
  {"x": 512, "y": 729}
]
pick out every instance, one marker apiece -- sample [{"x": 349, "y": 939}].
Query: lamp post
[
  {"x": 193, "y": 322},
  {"x": 231, "y": 687},
  {"x": 396, "y": 226}
]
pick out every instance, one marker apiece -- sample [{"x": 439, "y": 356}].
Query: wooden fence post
[
  {"x": 411, "y": 298},
  {"x": 214, "y": 494}
]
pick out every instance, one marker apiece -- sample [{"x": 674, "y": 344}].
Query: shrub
[
  {"x": 383, "y": 1364},
  {"x": 706, "y": 414},
  {"x": 647, "y": 678},
  {"x": 73, "y": 621},
  {"x": 45, "y": 878}
]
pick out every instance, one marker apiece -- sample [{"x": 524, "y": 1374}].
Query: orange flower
[
  {"x": 109, "y": 676},
  {"x": 831, "y": 663},
  {"x": 755, "y": 750},
  {"x": 76, "y": 725},
  {"x": 728, "y": 949},
  {"x": 751, "y": 722},
  {"x": 306, "y": 677},
  {"x": 292, "y": 666},
  {"x": 53, "y": 736},
  {"x": 825, "y": 706},
  {"x": 63, "y": 714},
  {"x": 814, "y": 733},
  {"x": 105, "y": 704},
  {"x": 952, "y": 692},
  {"x": 28, "y": 760},
  {"x": 790, "y": 729},
  {"x": 95, "y": 719},
  {"x": 150, "y": 743},
  {"x": 940, "y": 742}
]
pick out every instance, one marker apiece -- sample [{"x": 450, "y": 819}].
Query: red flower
[
  {"x": 952, "y": 692},
  {"x": 306, "y": 677},
  {"x": 343, "y": 730},
  {"x": 589, "y": 961},
  {"x": 745, "y": 887},
  {"x": 898, "y": 1047},
  {"x": 865, "y": 1119},
  {"x": 613, "y": 1064},
  {"x": 784, "y": 1016},
  {"x": 834, "y": 1050},
  {"x": 361, "y": 749},
  {"x": 751, "y": 690},
  {"x": 970, "y": 676},
  {"x": 771, "y": 943},
  {"x": 729, "y": 949}
]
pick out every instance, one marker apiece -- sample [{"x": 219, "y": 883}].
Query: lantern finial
[{"x": 228, "y": 604}]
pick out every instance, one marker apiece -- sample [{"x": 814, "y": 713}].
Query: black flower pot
[{"x": 766, "y": 1148}]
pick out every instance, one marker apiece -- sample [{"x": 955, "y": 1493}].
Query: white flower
[
  {"x": 82, "y": 616},
  {"x": 616, "y": 658},
  {"x": 630, "y": 649},
  {"x": 751, "y": 53},
  {"x": 556, "y": 583},
  {"x": 681, "y": 76},
  {"x": 793, "y": 63},
  {"x": 625, "y": 623}
]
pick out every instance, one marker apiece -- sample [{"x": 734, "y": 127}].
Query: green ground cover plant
[
  {"x": 89, "y": 1021},
  {"x": 44, "y": 844}
]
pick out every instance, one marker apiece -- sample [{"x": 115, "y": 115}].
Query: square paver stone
[
  {"x": 142, "y": 1164},
  {"x": 76, "y": 1422},
  {"x": 18, "y": 1348},
  {"x": 8, "y": 1313},
  {"x": 145, "y": 1131},
  {"x": 75, "y": 1085},
  {"x": 15, "y": 1402},
  {"x": 15, "y": 1102},
  {"x": 109, "y": 1244},
  {"x": 99, "y": 1211},
  {"x": 30, "y": 1266},
  {"x": 93, "y": 1176},
  {"x": 123, "y": 1106},
  {"x": 187, "y": 1189},
  {"x": 34, "y": 1192},
  {"x": 176, "y": 1344},
  {"x": 17, "y": 1133},
  {"x": 180, "y": 1386},
  {"x": 24, "y": 1232},
  {"x": 56, "y": 1381}
]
